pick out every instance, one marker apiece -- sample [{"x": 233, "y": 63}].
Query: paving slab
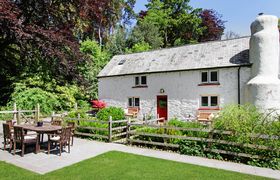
[{"x": 84, "y": 149}]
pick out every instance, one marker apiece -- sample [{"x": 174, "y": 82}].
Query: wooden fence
[
  {"x": 114, "y": 129},
  {"x": 209, "y": 139},
  {"x": 18, "y": 115}
]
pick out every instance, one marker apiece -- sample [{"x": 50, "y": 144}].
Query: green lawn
[{"x": 118, "y": 165}]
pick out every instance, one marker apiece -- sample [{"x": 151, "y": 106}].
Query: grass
[{"x": 118, "y": 165}]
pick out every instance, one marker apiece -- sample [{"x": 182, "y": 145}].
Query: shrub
[
  {"x": 29, "y": 98},
  {"x": 45, "y": 90},
  {"x": 115, "y": 112}
]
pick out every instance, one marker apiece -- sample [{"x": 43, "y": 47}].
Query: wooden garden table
[{"x": 40, "y": 130}]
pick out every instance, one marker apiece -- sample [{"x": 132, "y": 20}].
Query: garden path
[{"x": 84, "y": 149}]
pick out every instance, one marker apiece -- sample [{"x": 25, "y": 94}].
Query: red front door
[{"x": 162, "y": 106}]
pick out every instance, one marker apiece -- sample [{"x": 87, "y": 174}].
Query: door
[{"x": 162, "y": 107}]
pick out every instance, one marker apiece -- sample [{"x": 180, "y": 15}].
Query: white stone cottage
[{"x": 181, "y": 81}]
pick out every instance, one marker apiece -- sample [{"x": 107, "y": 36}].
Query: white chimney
[{"x": 263, "y": 90}]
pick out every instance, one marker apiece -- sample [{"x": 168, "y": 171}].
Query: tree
[
  {"x": 139, "y": 47},
  {"x": 175, "y": 20},
  {"x": 117, "y": 42},
  {"x": 102, "y": 16},
  {"x": 148, "y": 33},
  {"x": 214, "y": 25},
  {"x": 98, "y": 58},
  {"x": 35, "y": 37}
]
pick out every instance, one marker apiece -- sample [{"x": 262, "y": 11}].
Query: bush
[
  {"x": 32, "y": 90},
  {"x": 115, "y": 112},
  {"x": 29, "y": 98}
]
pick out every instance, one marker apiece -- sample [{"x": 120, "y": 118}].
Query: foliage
[
  {"x": 32, "y": 32},
  {"x": 93, "y": 131},
  {"x": 32, "y": 90},
  {"x": 117, "y": 43},
  {"x": 5, "y": 117},
  {"x": 29, "y": 98},
  {"x": 139, "y": 47},
  {"x": 175, "y": 20},
  {"x": 98, "y": 58},
  {"x": 245, "y": 120},
  {"x": 214, "y": 25},
  {"x": 145, "y": 32},
  {"x": 102, "y": 16},
  {"x": 115, "y": 112}
]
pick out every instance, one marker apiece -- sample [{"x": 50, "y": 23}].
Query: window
[
  {"x": 209, "y": 101},
  {"x": 209, "y": 77},
  {"x": 214, "y": 76},
  {"x": 136, "y": 81},
  {"x": 143, "y": 80},
  {"x": 204, "y": 77},
  {"x": 133, "y": 102},
  {"x": 140, "y": 80}
]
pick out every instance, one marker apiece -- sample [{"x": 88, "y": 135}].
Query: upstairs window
[
  {"x": 209, "y": 76},
  {"x": 133, "y": 102},
  {"x": 209, "y": 101},
  {"x": 140, "y": 80}
]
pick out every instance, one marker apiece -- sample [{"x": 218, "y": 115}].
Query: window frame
[
  {"x": 209, "y": 77},
  {"x": 209, "y": 101},
  {"x": 133, "y": 102},
  {"x": 140, "y": 82}
]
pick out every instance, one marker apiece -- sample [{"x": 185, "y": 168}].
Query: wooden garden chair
[
  {"x": 63, "y": 139},
  {"x": 21, "y": 138},
  {"x": 72, "y": 125},
  {"x": 8, "y": 136}
]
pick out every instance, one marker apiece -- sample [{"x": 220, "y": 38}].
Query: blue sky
[{"x": 238, "y": 13}]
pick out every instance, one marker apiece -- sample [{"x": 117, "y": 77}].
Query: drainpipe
[{"x": 238, "y": 84}]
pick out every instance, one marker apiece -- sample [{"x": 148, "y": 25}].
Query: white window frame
[
  {"x": 133, "y": 102},
  {"x": 209, "y": 76},
  {"x": 209, "y": 101},
  {"x": 140, "y": 81}
]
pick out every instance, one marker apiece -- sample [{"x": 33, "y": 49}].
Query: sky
[{"x": 239, "y": 14}]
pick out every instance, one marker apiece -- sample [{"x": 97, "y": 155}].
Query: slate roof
[{"x": 225, "y": 53}]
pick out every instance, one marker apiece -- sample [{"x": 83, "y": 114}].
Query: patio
[{"x": 84, "y": 149}]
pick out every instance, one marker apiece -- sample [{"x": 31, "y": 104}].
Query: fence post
[
  {"x": 52, "y": 116},
  {"x": 37, "y": 113},
  {"x": 76, "y": 106},
  {"x": 110, "y": 129},
  {"x": 79, "y": 117},
  {"x": 18, "y": 116},
  {"x": 15, "y": 113},
  {"x": 127, "y": 130},
  {"x": 210, "y": 136}
]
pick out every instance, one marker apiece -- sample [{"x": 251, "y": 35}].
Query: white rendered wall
[
  {"x": 264, "y": 88},
  {"x": 181, "y": 88}
]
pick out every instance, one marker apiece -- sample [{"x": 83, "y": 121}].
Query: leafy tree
[
  {"x": 214, "y": 25},
  {"x": 102, "y": 17},
  {"x": 139, "y": 47},
  {"x": 37, "y": 37},
  {"x": 148, "y": 33},
  {"x": 175, "y": 19},
  {"x": 117, "y": 43},
  {"x": 98, "y": 58}
]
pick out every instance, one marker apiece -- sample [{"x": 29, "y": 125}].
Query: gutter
[{"x": 179, "y": 70}]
